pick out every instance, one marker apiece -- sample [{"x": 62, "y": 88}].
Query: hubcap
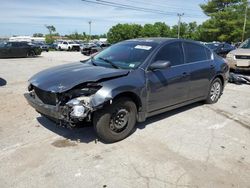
[
  {"x": 119, "y": 120},
  {"x": 215, "y": 91}
]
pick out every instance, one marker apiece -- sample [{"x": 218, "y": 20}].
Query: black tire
[
  {"x": 30, "y": 54},
  {"x": 215, "y": 91},
  {"x": 106, "y": 120}
]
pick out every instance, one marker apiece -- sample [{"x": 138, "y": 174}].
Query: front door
[{"x": 169, "y": 86}]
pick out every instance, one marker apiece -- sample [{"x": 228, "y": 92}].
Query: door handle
[
  {"x": 212, "y": 66},
  {"x": 185, "y": 74}
]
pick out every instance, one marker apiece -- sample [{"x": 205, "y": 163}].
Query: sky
[{"x": 25, "y": 17}]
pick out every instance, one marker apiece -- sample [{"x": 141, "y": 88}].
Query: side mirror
[{"x": 159, "y": 65}]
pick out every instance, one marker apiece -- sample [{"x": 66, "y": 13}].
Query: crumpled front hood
[{"x": 62, "y": 78}]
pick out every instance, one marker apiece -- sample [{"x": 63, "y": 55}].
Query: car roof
[{"x": 160, "y": 40}]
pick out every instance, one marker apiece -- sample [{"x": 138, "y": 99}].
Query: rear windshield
[{"x": 212, "y": 46}]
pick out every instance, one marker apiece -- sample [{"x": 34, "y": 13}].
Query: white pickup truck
[{"x": 69, "y": 45}]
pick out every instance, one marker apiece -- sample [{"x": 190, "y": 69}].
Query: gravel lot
[{"x": 195, "y": 146}]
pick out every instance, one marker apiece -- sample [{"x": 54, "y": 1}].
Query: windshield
[
  {"x": 212, "y": 46},
  {"x": 125, "y": 55},
  {"x": 245, "y": 44}
]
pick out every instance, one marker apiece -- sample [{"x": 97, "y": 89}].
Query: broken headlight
[
  {"x": 79, "y": 107},
  {"x": 78, "y": 111}
]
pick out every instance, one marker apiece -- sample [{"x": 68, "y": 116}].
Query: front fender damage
[{"x": 80, "y": 106}]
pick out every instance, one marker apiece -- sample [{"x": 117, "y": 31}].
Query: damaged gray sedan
[{"x": 128, "y": 82}]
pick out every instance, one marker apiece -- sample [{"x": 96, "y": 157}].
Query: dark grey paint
[
  {"x": 62, "y": 78},
  {"x": 154, "y": 91}
]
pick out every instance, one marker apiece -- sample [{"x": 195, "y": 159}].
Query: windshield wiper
[{"x": 109, "y": 62}]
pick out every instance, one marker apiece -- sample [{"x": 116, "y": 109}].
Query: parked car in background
[
  {"x": 90, "y": 49},
  {"x": 19, "y": 49},
  {"x": 237, "y": 44},
  {"x": 239, "y": 59},
  {"x": 43, "y": 46},
  {"x": 129, "y": 82},
  {"x": 68, "y": 45},
  {"x": 53, "y": 46},
  {"x": 221, "y": 49}
]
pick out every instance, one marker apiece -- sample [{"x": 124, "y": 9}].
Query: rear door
[
  {"x": 202, "y": 68},
  {"x": 169, "y": 86},
  {"x": 18, "y": 49}
]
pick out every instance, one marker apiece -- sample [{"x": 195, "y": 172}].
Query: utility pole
[
  {"x": 245, "y": 22},
  {"x": 179, "y": 23},
  {"x": 90, "y": 22}
]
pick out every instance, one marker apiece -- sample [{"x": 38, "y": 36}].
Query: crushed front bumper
[{"x": 45, "y": 109}]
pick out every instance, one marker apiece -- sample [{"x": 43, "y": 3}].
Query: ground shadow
[
  {"x": 243, "y": 72},
  {"x": 168, "y": 114},
  {"x": 85, "y": 133},
  {"x": 3, "y": 82},
  {"x": 30, "y": 57}
]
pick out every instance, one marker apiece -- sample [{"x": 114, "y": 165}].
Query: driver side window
[
  {"x": 171, "y": 52},
  {"x": 8, "y": 45}
]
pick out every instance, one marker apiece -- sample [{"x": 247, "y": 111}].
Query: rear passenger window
[
  {"x": 15, "y": 44},
  {"x": 171, "y": 52},
  {"x": 194, "y": 52}
]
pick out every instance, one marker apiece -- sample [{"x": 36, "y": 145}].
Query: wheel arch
[
  {"x": 131, "y": 95},
  {"x": 221, "y": 79}
]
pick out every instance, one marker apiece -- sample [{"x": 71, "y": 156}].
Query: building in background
[{"x": 27, "y": 39}]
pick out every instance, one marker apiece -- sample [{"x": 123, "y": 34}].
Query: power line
[
  {"x": 127, "y": 7},
  {"x": 135, "y": 8},
  {"x": 163, "y": 6},
  {"x": 130, "y": 6}
]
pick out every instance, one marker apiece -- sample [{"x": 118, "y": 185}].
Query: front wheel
[
  {"x": 215, "y": 91},
  {"x": 116, "y": 121}
]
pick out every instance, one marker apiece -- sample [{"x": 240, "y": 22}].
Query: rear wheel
[
  {"x": 115, "y": 122},
  {"x": 214, "y": 91},
  {"x": 30, "y": 54}
]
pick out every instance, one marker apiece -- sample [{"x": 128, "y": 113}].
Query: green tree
[
  {"x": 37, "y": 35},
  {"x": 51, "y": 29},
  {"x": 149, "y": 30},
  {"x": 226, "y": 20},
  {"x": 158, "y": 29},
  {"x": 103, "y": 35},
  {"x": 121, "y": 32},
  {"x": 192, "y": 31}
]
